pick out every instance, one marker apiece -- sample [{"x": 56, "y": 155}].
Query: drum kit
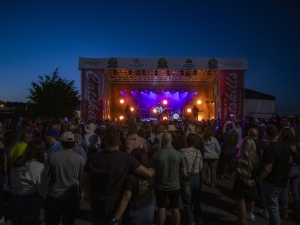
[{"x": 173, "y": 114}]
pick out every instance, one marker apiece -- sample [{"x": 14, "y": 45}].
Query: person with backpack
[{"x": 228, "y": 147}]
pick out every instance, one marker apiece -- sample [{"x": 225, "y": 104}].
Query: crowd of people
[{"x": 51, "y": 164}]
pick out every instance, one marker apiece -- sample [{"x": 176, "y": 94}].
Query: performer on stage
[
  {"x": 127, "y": 112},
  {"x": 159, "y": 111},
  {"x": 195, "y": 111}
]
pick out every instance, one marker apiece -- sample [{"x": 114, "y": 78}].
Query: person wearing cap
[
  {"x": 274, "y": 172},
  {"x": 54, "y": 145},
  {"x": 65, "y": 168},
  {"x": 178, "y": 141},
  {"x": 18, "y": 149},
  {"x": 91, "y": 139}
]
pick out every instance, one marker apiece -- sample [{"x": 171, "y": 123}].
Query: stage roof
[
  {"x": 189, "y": 63},
  {"x": 159, "y": 71}
]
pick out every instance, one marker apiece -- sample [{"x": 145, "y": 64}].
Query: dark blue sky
[{"x": 38, "y": 36}]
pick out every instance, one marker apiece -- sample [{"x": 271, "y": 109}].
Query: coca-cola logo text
[
  {"x": 231, "y": 92},
  {"x": 93, "y": 94}
]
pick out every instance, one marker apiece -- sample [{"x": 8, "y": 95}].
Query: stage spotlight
[
  {"x": 165, "y": 102},
  {"x": 189, "y": 110},
  {"x": 165, "y": 118},
  {"x": 156, "y": 72},
  {"x": 131, "y": 109},
  {"x": 130, "y": 72},
  {"x": 121, "y": 117},
  {"x": 199, "y": 102},
  {"x": 122, "y": 101},
  {"x": 168, "y": 72},
  {"x": 154, "y": 110}
]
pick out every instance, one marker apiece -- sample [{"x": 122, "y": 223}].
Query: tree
[{"x": 53, "y": 97}]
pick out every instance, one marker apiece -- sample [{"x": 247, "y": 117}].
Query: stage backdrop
[
  {"x": 92, "y": 86},
  {"x": 232, "y": 89}
]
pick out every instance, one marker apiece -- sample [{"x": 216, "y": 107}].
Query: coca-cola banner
[
  {"x": 92, "y": 86},
  {"x": 232, "y": 89}
]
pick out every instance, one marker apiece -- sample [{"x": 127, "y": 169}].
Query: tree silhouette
[{"x": 53, "y": 97}]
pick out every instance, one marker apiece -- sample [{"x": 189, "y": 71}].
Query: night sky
[{"x": 38, "y": 36}]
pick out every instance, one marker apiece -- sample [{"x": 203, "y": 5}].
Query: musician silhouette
[
  {"x": 195, "y": 111},
  {"x": 127, "y": 112},
  {"x": 159, "y": 110}
]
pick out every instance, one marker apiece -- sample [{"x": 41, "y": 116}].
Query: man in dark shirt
[
  {"x": 274, "y": 173},
  {"x": 105, "y": 172}
]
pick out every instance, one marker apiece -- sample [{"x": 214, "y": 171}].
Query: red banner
[
  {"x": 92, "y": 86},
  {"x": 232, "y": 90}
]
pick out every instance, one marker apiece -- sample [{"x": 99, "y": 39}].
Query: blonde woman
[{"x": 246, "y": 165}]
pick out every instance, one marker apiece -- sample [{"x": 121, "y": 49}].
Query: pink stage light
[{"x": 165, "y": 102}]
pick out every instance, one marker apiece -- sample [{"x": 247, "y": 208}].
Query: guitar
[
  {"x": 159, "y": 110},
  {"x": 195, "y": 111}
]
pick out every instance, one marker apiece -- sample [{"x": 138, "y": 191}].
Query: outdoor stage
[{"x": 215, "y": 86}]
